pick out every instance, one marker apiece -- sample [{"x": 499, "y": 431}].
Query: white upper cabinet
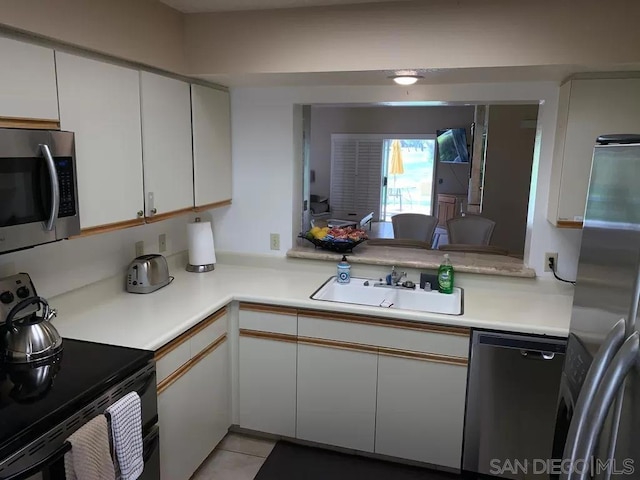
[
  {"x": 166, "y": 144},
  {"x": 211, "y": 145},
  {"x": 587, "y": 109},
  {"x": 27, "y": 81},
  {"x": 100, "y": 102}
]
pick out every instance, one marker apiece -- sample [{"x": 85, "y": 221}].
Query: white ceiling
[
  {"x": 195, "y": 6},
  {"x": 431, "y": 77}
]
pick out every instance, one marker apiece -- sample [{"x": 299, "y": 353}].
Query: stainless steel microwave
[{"x": 38, "y": 188}]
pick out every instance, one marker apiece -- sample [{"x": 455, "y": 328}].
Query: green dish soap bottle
[{"x": 445, "y": 276}]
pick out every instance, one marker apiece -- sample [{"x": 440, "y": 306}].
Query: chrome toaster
[{"x": 147, "y": 274}]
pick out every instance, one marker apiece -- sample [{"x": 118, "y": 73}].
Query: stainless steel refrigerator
[{"x": 598, "y": 418}]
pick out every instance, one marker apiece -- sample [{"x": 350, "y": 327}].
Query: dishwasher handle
[
  {"x": 537, "y": 354},
  {"x": 545, "y": 348}
]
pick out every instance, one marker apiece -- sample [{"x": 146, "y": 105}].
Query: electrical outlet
[
  {"x": 139, "y": 248},
  {"x": 162, "y": 242},
  {"x": 547, "y": 257},
  {"x": 274, "y": 241}
]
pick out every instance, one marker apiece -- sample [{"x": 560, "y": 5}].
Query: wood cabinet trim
[
  {"x": 258, "y": 307},
  {"x": 428, "y": 357},
  {"x": 279, "y": 337},
  {"x": 36, "y": 123},
  {"x": 403, "y": 324},
  {"x": 110, "y": 227},
  {"x": 321, "y": 342},
  {"x": 164, "y": 216},
  {"x": 180, "y": 372},
  {"x": 176, "y": 342},
  {"x": 569, "y": 224},
  {"x": 209, "y": 206}
]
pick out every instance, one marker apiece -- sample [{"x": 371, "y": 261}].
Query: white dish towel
[
  {"x": 90, "y": 458},
  {"x": 126, "y": 433}
]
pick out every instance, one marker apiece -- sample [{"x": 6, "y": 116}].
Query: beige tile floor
[{"x": 237, "y": 457}]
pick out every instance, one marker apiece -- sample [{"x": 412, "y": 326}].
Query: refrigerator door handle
[
  {"x": 602, "y": 360},
  {"x": 613, "y": 380}
]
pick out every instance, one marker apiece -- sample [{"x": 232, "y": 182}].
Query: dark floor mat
[{"x": 289, "y": 461}]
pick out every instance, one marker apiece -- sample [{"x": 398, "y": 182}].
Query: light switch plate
[
  {"x": 139, "y": 248},
  {"x": 162, "y": 242},
  {"x": 274, "y": 241}
]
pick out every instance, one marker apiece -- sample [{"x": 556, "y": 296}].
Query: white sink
[{"x": 357, "y": 293}]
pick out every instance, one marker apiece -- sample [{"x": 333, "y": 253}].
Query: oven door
[{"x": 38, "y": 191}]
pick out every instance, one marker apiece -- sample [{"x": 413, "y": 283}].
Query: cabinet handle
[
  {"x": 140, "y": 213},
  {"x": 154, "y": 211}
]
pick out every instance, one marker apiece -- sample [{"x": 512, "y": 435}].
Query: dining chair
[
  {"x": 414, "y": 226},
  {"x": 470, "y": 230}
]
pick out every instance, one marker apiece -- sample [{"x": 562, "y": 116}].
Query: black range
[{"x": 42, "y": 403}]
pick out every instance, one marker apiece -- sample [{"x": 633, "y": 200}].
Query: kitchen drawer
[
  {"x": 438, "y": 339},
  {"x": 210, "y": 333},
  {"x": 267, "y": 318},
  {"x": 172, "y": 360},
  {"x": 188, "y": 345}
]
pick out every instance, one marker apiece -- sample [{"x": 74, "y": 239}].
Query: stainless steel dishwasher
[{"x": 511, "y": 403}]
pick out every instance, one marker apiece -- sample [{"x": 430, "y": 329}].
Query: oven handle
[
  {"x": 147, "y": 383},
  {"x": 151, "y": 442},
  {"x": 55, "y": 190},
  {"x": 48, "y": 460}
]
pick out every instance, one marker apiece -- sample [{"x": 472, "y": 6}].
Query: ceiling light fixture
[{"x": 406, "y": 79}]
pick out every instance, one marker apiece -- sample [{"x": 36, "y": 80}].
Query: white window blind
[{"x": 356, "y": 174}]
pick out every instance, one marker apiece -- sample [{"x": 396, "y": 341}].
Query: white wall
[
  {"x": 266, "y": 162},
  {"x": 144, "y": 31},
  {"x": 377, "y": 120},
  {"x": 415, "y": 34},
  {"x": 59, "y": 267}
]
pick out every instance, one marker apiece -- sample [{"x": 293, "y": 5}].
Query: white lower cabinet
[
  {"x": 337, "y": 396},
  {"x": 420, "y": 410},
  {"x": 267, "y": 400},
  {"x": 209, "y": 400},
  {"x": 194, "y": 415},
  {"x": 176, "y": 459},
  {"x": 193, "y": 396}
]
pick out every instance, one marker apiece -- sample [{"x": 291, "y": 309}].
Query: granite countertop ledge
[{"x": 481, "y": 263}]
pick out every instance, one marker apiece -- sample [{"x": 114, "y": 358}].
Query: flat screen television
[{"x": 452, "y": 145}]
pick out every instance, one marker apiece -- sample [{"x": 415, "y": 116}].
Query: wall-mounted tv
[{"x": 452, "y": 145}]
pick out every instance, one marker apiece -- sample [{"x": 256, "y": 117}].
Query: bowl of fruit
[{"x": 336, "y": 239}]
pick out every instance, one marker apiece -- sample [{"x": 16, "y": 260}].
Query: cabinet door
[
  {"x": 174, "y": 413},
  {"x": 27, "y": 81},
  {"x": 420, "y": 410},
  {"x": 100, "y": 102},
  {"x": 595, "y": 107},
  {"x": 211, "y": 119},
  {"x": 194, "y": 414},
  {"x": 337, "y": 396},
  {"x": 210, "y": 413},
  {"x": 267, "y": 385},
  {"x": 166, "y": 144}
]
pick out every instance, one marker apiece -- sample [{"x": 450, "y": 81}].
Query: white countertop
[{"x": 104, "y": 312}]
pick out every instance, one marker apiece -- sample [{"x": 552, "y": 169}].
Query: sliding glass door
[{"x": 407, "y": 177}]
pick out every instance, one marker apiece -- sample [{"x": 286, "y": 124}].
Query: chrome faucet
[{"x": 396, "y": 277}]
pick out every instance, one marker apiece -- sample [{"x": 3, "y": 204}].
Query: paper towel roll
[{"x": 200, "y": 240}]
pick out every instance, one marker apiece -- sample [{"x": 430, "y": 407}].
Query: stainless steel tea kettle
[{"x": 29, "y": 338}]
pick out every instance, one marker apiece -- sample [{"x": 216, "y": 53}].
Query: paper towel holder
[{"x": 200, "y": 268}]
